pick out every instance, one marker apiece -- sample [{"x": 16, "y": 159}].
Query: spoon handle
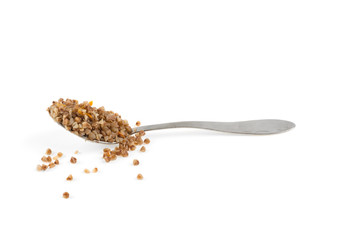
[{"x": 257, "y": 127}]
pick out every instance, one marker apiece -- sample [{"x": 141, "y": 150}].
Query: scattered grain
[
  {"x": 138, "y": 123},
  {"x": 86, "y": 170},
  {"x": 142, "y": 149},
  {"x": 140, "y": 177},
  {"x": 142, "y": 133},
  {"x": 65, "y": 195},
  {"x": 49, "y": 151},
  {"x": 59, "y": 154},
  {"x": 44, "y": 167},
  {"x": 147, "y": 141},
  {"x": 39, "y": 168},
  {"x": 51, "y": 165},
  {"x": 95, "y": 170},
  {"x": 135, "y": 162},
  {"x": 44, "y": 159},
  {"x": 69, "y": 178},
  {"x": 76, "y": 152},
  {"x": 56, "y": 162},
  {"x": 132, "y": 148},
  {"x": 73, "y": 160}
]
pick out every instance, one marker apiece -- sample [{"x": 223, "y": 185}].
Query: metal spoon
[{"x": 254, "y": 127}]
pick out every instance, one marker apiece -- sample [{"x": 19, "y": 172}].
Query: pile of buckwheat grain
[
  {"x": 95, "y": 124},
  {"x": 90, "y": 122}
]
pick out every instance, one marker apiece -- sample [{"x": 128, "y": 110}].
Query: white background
[{"x": 162, "y": 61}]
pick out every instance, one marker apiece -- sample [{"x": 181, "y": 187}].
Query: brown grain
[
  {"x": 142, "y": 149},
  {"x": 65, "y": 195},
  {"x": 44, "y": 167},
  {"x": 140, "y": 177},
  {"x": 97, "y": 124},
  {"x": 90, "y": 122},
  {"x": 49, "y": 151},
  {"x": 73, "y": 160},
  {"x": 39, "y": 168},
  {"x": 44, "y": 159}
]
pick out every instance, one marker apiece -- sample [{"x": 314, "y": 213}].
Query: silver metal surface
[
  {"x": 257, "y": 127},
  {"x": 254, "y": 127}
]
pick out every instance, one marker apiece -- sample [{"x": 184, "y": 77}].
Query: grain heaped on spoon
[
  {"x": 90, "y": 122},
  {"x": 97, "y": 124}
]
